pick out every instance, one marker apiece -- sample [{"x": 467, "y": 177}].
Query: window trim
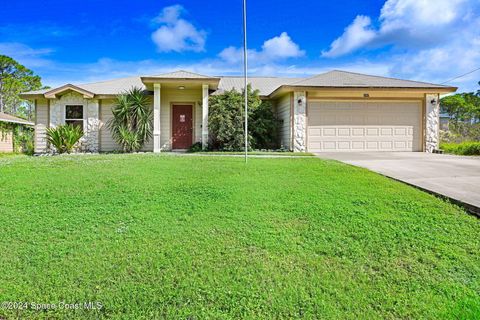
[{"x": 83, "y": 113}]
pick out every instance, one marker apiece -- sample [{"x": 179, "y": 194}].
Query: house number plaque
[{"x": 182, "y": 118}]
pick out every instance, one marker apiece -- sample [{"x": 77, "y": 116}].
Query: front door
[{"x": 182, "y": 126}]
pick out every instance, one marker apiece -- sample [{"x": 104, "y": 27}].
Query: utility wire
[{"x": 461, "y": 76}]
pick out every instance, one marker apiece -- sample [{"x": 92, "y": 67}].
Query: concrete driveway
[{"x": 455, "y": 177}]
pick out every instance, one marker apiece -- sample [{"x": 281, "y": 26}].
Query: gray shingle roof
[
  {"x": 181, "y": 74},
  {"x": 108, "y": 87},
  {"x": 265, "y": 85},
  {"x": 337, "y": 78},
  {"x": 115, "y": 86}
]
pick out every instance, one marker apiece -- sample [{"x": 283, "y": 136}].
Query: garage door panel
[
  {"x": 401, "y": 145},
  {"x": 329, "y": 145},
  {"x": 386, "y": 131},
  {"x": 329, "y": 132},
  {"x": 372, "y": 145},
  {"x": 400, "y": 131},
  {"x": 358, "y": 145},
  {"x": 372, "y": 132},
  {"x": 343, "y": 145},
  {"x": 358, "y": 132},
  {"x": 343, "y": 132},
  {"x": 364, "y": 126}
]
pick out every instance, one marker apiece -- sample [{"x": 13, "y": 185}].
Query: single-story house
[
  {"x": 6, "y": 133},
  {"x": 333, "y": 111}
]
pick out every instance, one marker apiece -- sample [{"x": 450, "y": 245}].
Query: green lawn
[
  {"x": 207, "y": 237},
  {"x": 259, "y": 153}
]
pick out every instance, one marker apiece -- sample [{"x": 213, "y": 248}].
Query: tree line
[{"x": 15, "y": 79}]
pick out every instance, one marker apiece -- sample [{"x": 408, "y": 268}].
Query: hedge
[{"x": 468, "y": 148}]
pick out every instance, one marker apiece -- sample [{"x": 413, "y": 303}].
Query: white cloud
[
  {"x": 281, "y": 47},
  {"x": 275, "y": 49},
  {"x": 25, "y": 54},
  {"x": 426, "y": 40},
  {"x": 355, "y": 36},
  {"x": 407, "y": 24},
  {"x": 177, "y": 34},
  {"x": 417, "y": 14}
]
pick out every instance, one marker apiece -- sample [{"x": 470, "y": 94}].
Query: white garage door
[{"x": 364, "y": 126}]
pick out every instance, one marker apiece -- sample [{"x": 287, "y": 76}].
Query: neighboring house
[
  {"x": 444, "y": 121},
  {"x": 333, "y": 111},
  {"x": 6, "y": 136}
]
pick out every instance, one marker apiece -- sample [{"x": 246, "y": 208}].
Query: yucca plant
[
  {"x": 64, "y": 137},
  {"x": 131, "y": 125}
]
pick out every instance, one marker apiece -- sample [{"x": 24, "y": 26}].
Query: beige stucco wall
[
  {"x": 41, "y": 124},
  {"x": 6, "y": 142},
  {"x": 283, "y": 105}
]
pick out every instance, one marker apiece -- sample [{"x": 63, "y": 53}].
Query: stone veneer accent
[
  {"x": 300, "y": 121},
  {"x": 89, "y": 142},
  {"x": 432, "y": 122}
]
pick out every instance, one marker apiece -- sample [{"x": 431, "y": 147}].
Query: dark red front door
[{"x": 182, "y": 127}]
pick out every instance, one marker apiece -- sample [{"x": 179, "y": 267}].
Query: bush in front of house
[
  {"x": 132, "y": 122},
  {"x": 23, "y": 139},
  {"x": 196, "y": 147},
  {"x": 226, "y": 122},
  {"x": 23, "y": 136},
  {"x": 64, "y": 137},
  {"x": 468, "y": 148}
]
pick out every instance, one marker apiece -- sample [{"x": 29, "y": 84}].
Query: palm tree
[{"x": 131, "y": 125}]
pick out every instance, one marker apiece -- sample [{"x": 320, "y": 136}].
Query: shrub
[
  {"x": 264, "y": 127},
  {"x": 469, "y": 148},
  {"x": 196, "y": 147},
  {"x": 64, "y": 138},
  {"x": 226, "y": 122},
  {"x": 23, "y": 139},
  {"x": 132, "y": 121},
  {"x": 23, "y": 136}
]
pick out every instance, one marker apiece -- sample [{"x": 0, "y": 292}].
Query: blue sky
[{"x": 83, "y": 41}]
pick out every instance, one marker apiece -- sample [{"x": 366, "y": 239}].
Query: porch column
[
  {"x": 432, "y": 122},
  {"x": 300, "y": 121},
  {"x": 205, "y": 116},
  {"x": 156, "y": 117}
]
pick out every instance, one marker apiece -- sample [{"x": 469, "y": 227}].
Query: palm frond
[{"x": 132, "y": 122}]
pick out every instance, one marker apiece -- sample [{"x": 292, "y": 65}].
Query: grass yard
[
  {"x": 207, "y": 237},
  {"x": 259, "y": 153}
]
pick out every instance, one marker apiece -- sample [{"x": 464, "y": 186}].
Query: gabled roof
[
  {"x": 179, "y": 74},
  {"x": 12, "y": 119},
  {"x": 344, "y": 79},
  {"x": 68, "y": 87}
]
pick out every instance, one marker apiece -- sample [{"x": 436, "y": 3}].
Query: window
[{"x": 74, "y": 116}]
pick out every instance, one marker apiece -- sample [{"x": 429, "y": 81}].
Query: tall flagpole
[{"x": 245, "y": 65}]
